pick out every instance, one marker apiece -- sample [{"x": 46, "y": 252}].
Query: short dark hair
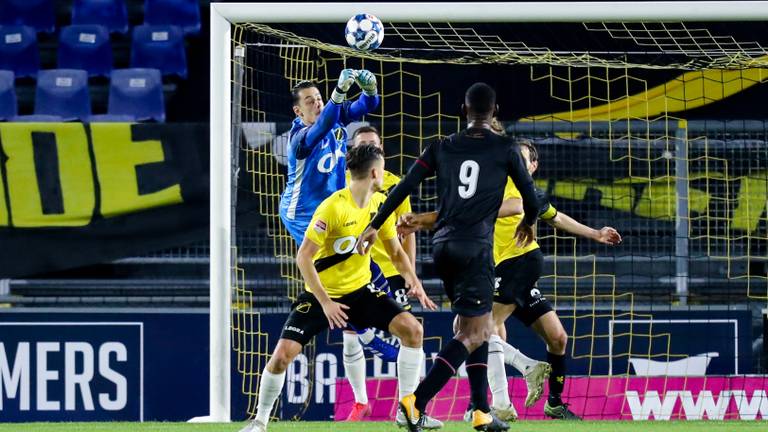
[
  {"x": 365, "y": 129},
  {"x": 360, "y": 159},
  {"x": 301, "y": 85},
  {"x": 533, "y": 154},
  {"x": 480, "y": 98}
]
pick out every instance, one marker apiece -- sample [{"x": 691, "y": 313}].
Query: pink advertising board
[{"x": 596, "y": 398}]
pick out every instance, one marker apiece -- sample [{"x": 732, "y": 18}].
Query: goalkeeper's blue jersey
[
  {"x": 317, "y": 162},
  {"x": 312, "y": 178}
]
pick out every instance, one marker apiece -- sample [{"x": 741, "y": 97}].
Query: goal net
[{"x": 653, "y": 127}]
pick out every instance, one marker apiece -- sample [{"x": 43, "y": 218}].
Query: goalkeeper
[{"x": 317, "y": 144}]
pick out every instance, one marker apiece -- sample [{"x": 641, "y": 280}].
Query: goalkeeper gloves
[
  {"x": 347, "y": 77},
  {"x": 367, "y": 81}
]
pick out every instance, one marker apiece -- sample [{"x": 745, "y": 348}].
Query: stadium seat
[
  {"x": 18, "y": 50},
  {"x": 159, "y": 47},
  {"x": 112, "y": 14},
  {"x": 64, "y": 93},
  {"x": 182, "y": 13},
  {"x": 134, "y": 95},
  {"x": 38, "y": 14},
  {"x": 8, "y": 104},
  {"x": 85, "y": 47}
]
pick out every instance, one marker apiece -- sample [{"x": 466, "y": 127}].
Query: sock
[
  {"x": 409, "y": 362},
  {"x": 556, "y": 378},
  {"x": 446, "y": 363},
  {"x": 354, "y": 367},
  {"x": 497, "y": 374},
  {"x": 515, "y": 358},
  {"x": 269, "y": 389},
  {"x": 477, "y": 372}
]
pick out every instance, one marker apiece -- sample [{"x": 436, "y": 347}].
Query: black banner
[{"x": 74, "y": 194}]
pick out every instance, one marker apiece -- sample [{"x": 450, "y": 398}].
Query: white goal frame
[{"x": 224, "y": 14}]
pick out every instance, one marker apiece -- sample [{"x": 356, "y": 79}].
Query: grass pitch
[{"x": 528, "y": 426}]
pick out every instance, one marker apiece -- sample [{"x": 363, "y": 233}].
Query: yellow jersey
[
  {"x": 335, "y": 226},
  {"x": 504, "y": 245},
  {"x": 378, "y": 253}
]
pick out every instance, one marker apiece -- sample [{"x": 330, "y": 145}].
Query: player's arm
[
  {"x": 309, "y": 137},
  {"x": 408, "y": 240},
  {"x": 421, "y": 169},
  {"x": 510, "y": 207},
  {"x": 605, "y": 235},
  {"x": 403, "y": 265},
  {"x": 411, "y": 222},
  {"x": 409, "y": 246}
]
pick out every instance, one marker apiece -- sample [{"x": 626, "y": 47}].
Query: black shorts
[
  {"x": 466, "y": 268},
  {"x": 399, "y": 292},
  {"x": 368, "y": 307},
  {"x": 516, "y": 280}
]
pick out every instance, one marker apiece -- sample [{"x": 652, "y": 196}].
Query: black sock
[
  {"x": 446, "y": 363},
  {"x": 556, "y": 378},
  {"x": 477, "y": 372}
]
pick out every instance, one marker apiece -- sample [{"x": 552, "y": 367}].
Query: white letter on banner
[
  {"x": 705, "y": 404},
  {"x": 44, "y": 375},
  {"x": 321, "y": 380},
  {"x": 72, "y": 379},
  {"x": 748, "y": 409},
  {"x": 121, "y": 383},
  {"x": 11, "y": 379},
  {"x": 651, "y": 405},
  {"x": 298, "y": 377}
]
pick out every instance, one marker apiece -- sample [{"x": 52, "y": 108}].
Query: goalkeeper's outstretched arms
[
  {"x": 329, "y": 116},
  {"x": 368, "y": 100}
]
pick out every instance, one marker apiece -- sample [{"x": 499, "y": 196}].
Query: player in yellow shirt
[
  {"x": 337, "y": 282},
  {"x": 517, "y": 272}
]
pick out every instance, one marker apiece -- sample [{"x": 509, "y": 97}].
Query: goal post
[{"x": 224, "y": 15}]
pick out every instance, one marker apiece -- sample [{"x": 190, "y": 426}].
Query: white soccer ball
[{"x": 364, "y": 32}]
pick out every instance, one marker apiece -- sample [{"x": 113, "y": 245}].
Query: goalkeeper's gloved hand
[
  {"x": 367, "y": 81},
  {"x": 347, "y": 77}
]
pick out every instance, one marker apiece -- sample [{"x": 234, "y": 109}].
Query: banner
[
  {"x": 595, "y": 398},
  {"x": 74, "y": 194}
]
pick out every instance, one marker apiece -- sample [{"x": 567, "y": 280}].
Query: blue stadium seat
[
  {"x": 135, "y": 95},
  {"x": 182, "y": 13},
  {"x": 8, "y": 104},
  {"x": 34, "y": 13},
  {"x": 112, "y": 14},
  {"x": 64, "y": 93},
  {"x": 86, "y": 47},
  {"x": 159, "y": 47},
  {"x": 18, "y": 50}
]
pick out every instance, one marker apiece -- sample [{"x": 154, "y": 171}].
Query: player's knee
[
  {"x": 408, "y": 329},
  {"x": 280, "y": 360},
  {"x": 558, "y": 342}
]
